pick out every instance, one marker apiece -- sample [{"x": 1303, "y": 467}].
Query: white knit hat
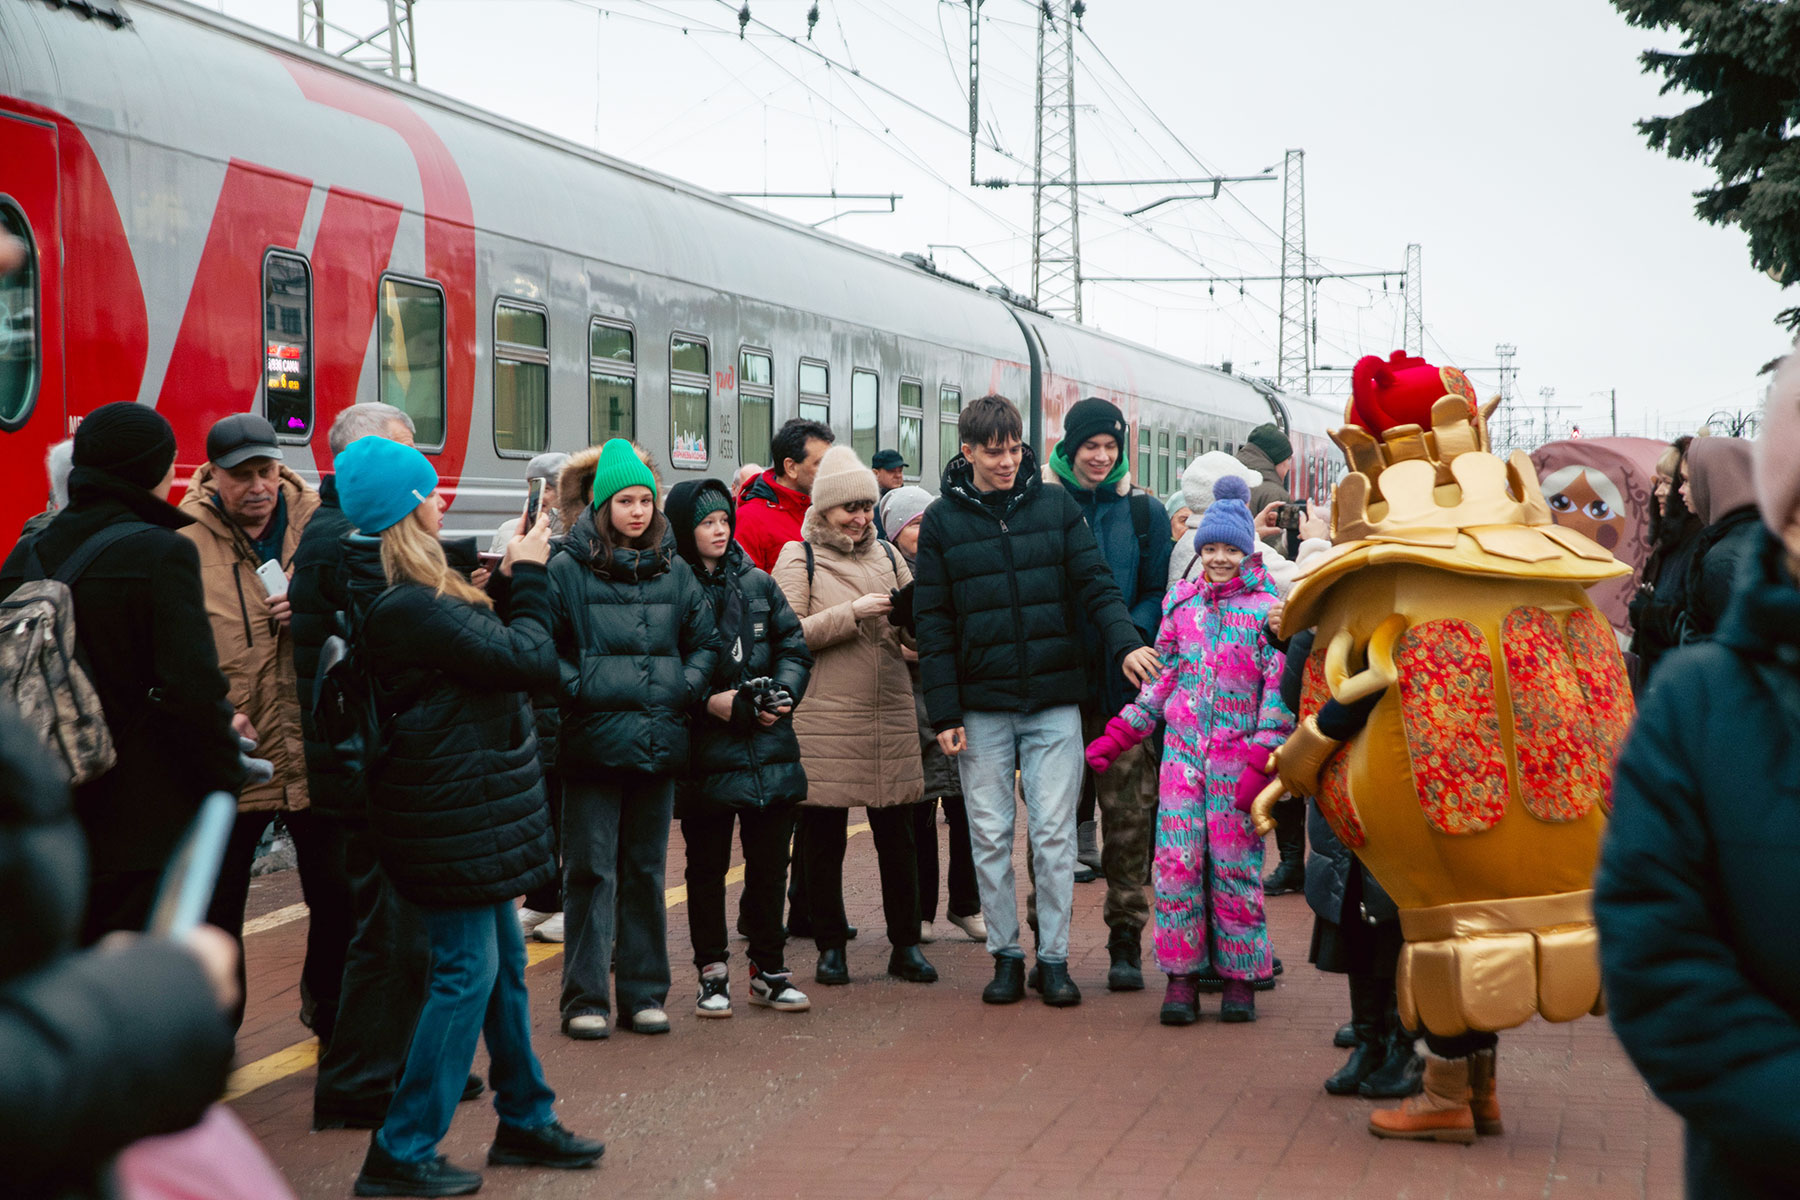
[
  {"x": 842, "y": 478},
  {"x": 902, "y": 506},
  {"x": 1197, "y": 481}
]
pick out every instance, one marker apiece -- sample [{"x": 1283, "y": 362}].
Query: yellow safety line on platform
[{"x": 301, "y": 1055}]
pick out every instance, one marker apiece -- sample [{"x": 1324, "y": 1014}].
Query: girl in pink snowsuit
[{"x": 1220, "y": 695}]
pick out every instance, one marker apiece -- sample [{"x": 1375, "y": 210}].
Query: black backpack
[{"x": 352, "y": 713}]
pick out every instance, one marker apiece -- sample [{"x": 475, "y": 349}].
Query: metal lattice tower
[
  {"x": 1295, "y": 368},
  {"x": 389, "y": 50},
  {"x": 1414, "y": 283},
  {"x": 1055, "y": 208},
  {"x": 1505, "y": 352}
]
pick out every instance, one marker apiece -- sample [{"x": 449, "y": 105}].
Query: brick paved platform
[{"x": 888, "y": 1089}]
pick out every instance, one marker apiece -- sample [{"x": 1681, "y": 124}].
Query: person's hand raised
[{"x": 533, "y": 546}]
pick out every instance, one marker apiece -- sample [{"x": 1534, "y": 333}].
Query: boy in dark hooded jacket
[{"x": 745, "y": 759}]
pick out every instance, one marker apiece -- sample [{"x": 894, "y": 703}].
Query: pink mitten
[
  {"x": 1249, "y": 786},
  {"x": 1120, "y": 736}
]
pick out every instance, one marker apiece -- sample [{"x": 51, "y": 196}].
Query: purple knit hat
[
  {"x": 1227, "y": 520},
  {"x": 1777, "y": 454}
]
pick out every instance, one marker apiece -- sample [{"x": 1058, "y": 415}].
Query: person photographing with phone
[
  {"x": 859, "y": 740},
  {"x": 744, "y": 767},
  {"x": 457, "y": 807}
]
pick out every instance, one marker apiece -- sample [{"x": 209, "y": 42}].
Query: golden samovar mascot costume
[{"x": 1477, "y": 789}]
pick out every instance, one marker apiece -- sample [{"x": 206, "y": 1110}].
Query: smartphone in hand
[
  {"x": 534, "y": 502},
  {"x": 188, "y": 881},
  {"x": 274, "y": 579}
]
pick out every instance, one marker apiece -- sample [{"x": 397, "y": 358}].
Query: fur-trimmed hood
[{"x": 575, "y": 484}]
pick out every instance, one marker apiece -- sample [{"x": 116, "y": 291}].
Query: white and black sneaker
[
  {"x": 773, "y": 989},
  {"x": 714, "y": 999}
]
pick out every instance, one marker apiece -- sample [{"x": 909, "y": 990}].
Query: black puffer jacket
[
  {"x": 316, "y": 593},
  {"x": 141, "y": 621},
  {"x": 1697, "y": 892},
  {"x": 99, "y": 1048},
  {"x": 457, "y": 801},
  {"x": 635, "y": 634},
  {"x": 1002, "y": 589},
  {"x": 1661, "y": 598},
  {"x": 1720, "y": 553},
  {"x": 742, "y": 763}
]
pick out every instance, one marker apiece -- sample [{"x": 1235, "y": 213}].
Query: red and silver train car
[{"x": 222, "y": 221}]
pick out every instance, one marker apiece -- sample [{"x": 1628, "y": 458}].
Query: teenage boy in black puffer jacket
[
  {"x": 1006, "y": 569},
  {"x": 745, "y": 759}
]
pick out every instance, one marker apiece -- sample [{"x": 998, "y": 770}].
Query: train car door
[{"x": 32, "y": 417}]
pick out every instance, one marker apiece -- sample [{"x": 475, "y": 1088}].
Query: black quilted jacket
[
  {"x": 638, "y": 649},
  {"x": 457, "y": 802},
  {"x": 1001, "y": 588},
  {"x": 742, "y": 763}
]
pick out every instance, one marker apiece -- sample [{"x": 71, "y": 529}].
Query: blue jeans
[
  {"x": 477, "y": 988},
  {"x": 1046, "y": 749}
]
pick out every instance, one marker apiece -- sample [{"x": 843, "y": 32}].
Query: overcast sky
[{"x": 1498, "y": 136}]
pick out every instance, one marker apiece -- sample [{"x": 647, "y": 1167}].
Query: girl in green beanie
[{"x": 634, "y": 630}]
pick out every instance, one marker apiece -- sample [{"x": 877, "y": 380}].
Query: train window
[
  {"x": 815, "y": 391},
  {"x": 612, "y": 382},
  {"x": 865, "y": 400},
  {"x": 1143, "y": 471},
  {"x": 1230, "y": 449},
  {"x": 521, "y": 378},
  {"x": 912, "y": 426},
  {"x": 19, "y": 351},
  {"x": 1162, "y": 462},
  {"x": 690, "y": 401},
  {"x": 1181, "y": 458},
  {"x": 287, "y": 344},
  {"x": 412, "y": 355},
  {"x": 949, "y": 412},
  {"x": 1215, "y": 444},
  {"x": 756, "y": 405}
]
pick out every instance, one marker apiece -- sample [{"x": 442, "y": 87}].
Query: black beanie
[
  {"x": 1091, "y": 418},
  {"x": 131, "y": 441},
  {"x": 1272, "y": 442}
]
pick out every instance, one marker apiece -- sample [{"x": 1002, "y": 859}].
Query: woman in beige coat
[{"x": 859, "y": 739}]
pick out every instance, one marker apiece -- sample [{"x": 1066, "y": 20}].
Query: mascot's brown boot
[
  {"x": 1440, "y": 1113},
  {"x": 1484, "y": 1101}
]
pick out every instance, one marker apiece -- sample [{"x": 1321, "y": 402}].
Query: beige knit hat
[
  {"x": 841, "y": 479},
  {"x": 1777, "y": 454}
]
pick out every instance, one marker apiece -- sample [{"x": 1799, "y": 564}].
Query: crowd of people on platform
[{"x": 815, "y": 637}]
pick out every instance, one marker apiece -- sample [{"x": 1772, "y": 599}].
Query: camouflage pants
[{"x": 1127, "y": 800}]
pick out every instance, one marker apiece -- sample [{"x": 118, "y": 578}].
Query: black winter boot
[
  {"x": 1402, "y": 1070},
  {"x": 384, "y": 1175},
  {"x": 1290, "y": 840},
  {"x": 1369, "y": 1050},
  {"x": 1127, "y": 972},
  {"x": 1008, "y": 986},
  {"x": 1051, "y": 979}
]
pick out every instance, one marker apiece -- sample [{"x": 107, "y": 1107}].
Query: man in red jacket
[{"x": 773, "y": 507}]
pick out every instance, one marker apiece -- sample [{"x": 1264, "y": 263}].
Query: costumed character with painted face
[{"x": 1458, "y": 726}]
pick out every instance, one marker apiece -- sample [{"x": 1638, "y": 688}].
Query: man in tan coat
[{"x": 248, "y": 510}]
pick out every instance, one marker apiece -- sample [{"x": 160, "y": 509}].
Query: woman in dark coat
[
  {"x": 634, "y": 631},
  {"x": 1715, "y": 483},
  {"x": 457, "y": 807},
  {"x": 1356, "y": 932},
  {"x": 1697, "y": 894},
  {"x": 1661, "y": 596},
  {"x": 745, "y": 763}
]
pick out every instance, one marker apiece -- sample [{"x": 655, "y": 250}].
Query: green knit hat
[{"x": 619, "y": 468}]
